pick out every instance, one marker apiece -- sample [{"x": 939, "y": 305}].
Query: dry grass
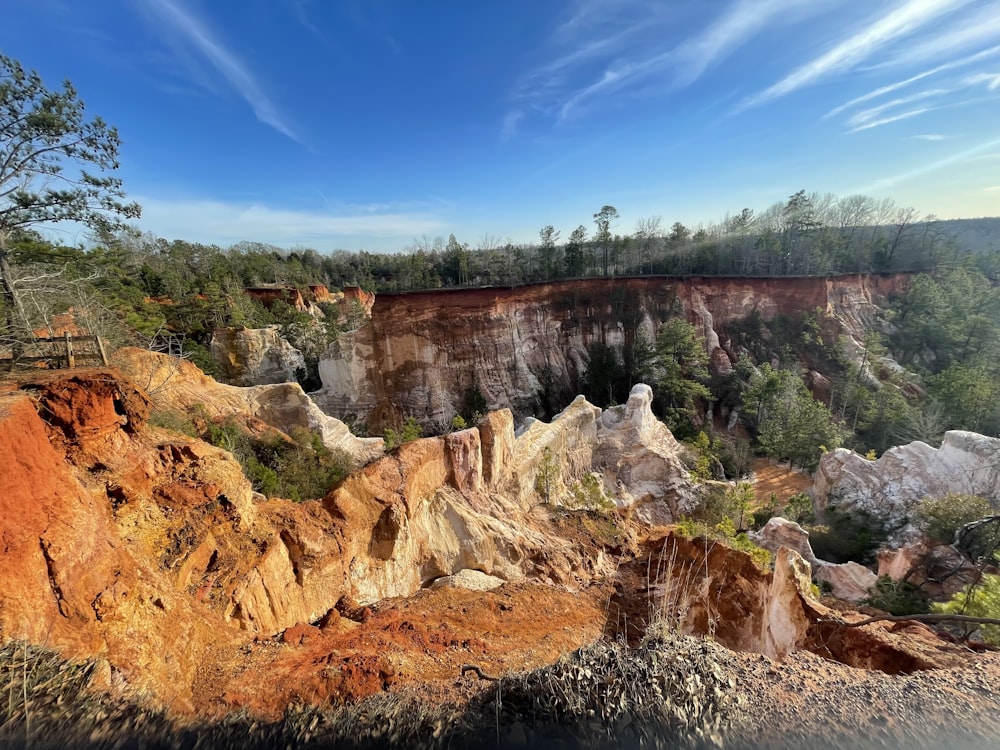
[{"x": 671, "y": 691}]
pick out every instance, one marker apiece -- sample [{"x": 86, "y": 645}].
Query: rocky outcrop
[
  {"x": 178, "y": 384},
  {"x": 888, "y": 489},
  {"x": 79, "y": 579},
  {"x": 640, "y": 461},
  {"x": 174, "y": 545},
  {"x": 780, "y": 533},
  {"x": 471, "y": 500},
  {"x": 259, "y": 356},
  {"x": 939, "y": 570},
  {"x": 848, "y": 581},
  {"x": 149, "y": 549},
  {"x": 351, "y": 302},
  {"x": 256, "y": 356},
  {"x": 701, "y": 587},
  {"x": 421, "y": 352}
]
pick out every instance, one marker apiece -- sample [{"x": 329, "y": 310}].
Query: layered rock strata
[
  {"x": 256, "y": 356},
  {"x": 421, "y": 352},
  {"x": 149, "y": 549}
]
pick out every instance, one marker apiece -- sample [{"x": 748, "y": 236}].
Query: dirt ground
[
  {"x": 419, "y": 645},
  {"x": 777, "y": 478},
  {"x": 419, "y": 642}
]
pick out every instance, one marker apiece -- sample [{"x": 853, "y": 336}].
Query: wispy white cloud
[
  {"x": 931, "y": 137},
  {"x": 902, "y": 21},
  {"x": 961, "y": 62},
  {"x": 969, "y": 154},
  {"x": 226, "y": 223},
  {"x": 689, "y": 60},
  {"x": 992, "y": 189},
  {"x": 859, "y": 119},
  {"x": 970, "y": 29},
  {"x": 740, "y": 22},
  {"x": 992, "y": 80},
  {"x": 236, "y": 73},
  {"x": 888, "y": 111},
  {"x": 614, "y": 47},
  {"x": 893, "y": 118}
]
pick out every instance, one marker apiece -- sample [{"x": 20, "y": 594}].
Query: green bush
[
  {"x": 407, "y": 434},
  {"x": 799, "y": 508},
  {"x": 734, "y": 502},
  {"x": 941, "y": 517},
  {"x": 725, "y": 531},
  {"x": 588, "y": 493},
  {"x": 547, "y": 476},
  {"x": 842, "y": 537},
  {"x": 897, "y": 597},
  {"x": 978, "y": 600},
  {"x": 300, "y": 468},
  {"x": 175, "y": 420}
]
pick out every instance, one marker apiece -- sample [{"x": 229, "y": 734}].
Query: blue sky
[{"x": 364, "y": 124}]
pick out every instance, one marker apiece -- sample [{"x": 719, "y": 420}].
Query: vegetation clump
[
  {"x": 297, "y": 466},
  {"x": 978, "y": 599},
  {"x": 725, "y": 516},
  {"x": 409, "y": 432},
  {"x": 941, "y": 517},
  {"x": 897, "y": 597},
  {"x": 840, "y": 537}
]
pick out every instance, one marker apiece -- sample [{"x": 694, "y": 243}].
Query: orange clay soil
[
  {"x": 422, "y": 642},
  {"x": 777, "y": 478}
]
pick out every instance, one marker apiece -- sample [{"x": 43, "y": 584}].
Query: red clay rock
[
  {"x": 421, "y": 351},
  {"x": 147, "y": 548}
]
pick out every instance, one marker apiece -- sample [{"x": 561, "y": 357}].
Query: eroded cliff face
[
  {"x": 256, "y": 356},
  {"x": 421, "y": 352},
  {"x": 260, "y": 356},
  {"x": 178, "y": 384},
  {"x": 149, "y": 549},
  {"x": 77, "y": 578}
]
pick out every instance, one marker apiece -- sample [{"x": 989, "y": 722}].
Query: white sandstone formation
[
  {"x": 888, "y": 489},
  {"x": 641, "y": 461},
  {"x": 780, "y": 532},
  {"x": 468, "y": 501},
  {"x": 786, "y": 604},
  {"x": 179, "y": 384},
  {"x": 256, "y": 356},
  {"x": 848, "y": 581}
]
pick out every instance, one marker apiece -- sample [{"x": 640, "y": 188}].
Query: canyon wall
[
  {"x": 148, "y": 547},
  {"x": 255, "y": 356},
  {"x": 421, "y": 352}
]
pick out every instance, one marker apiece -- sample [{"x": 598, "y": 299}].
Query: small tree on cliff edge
[{"x": 44, "y": 138}]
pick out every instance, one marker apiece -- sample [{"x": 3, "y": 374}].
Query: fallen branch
[
  {"x": 915, "y": 618},
  {"x": 479, "y": 673}
]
